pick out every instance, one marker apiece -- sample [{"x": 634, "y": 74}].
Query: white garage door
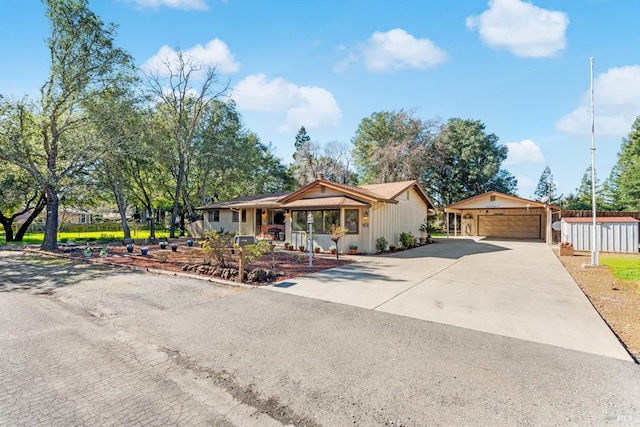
[{"x": 514, "y": 226}]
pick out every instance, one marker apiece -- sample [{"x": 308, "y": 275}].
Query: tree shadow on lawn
[{"x": 39, "y": 273}]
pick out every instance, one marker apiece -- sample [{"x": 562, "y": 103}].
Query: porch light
[{"x": 365, "y": 219}]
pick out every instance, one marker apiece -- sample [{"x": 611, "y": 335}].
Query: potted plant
[
  {"x": 301, "y": 248},
  {"x": 353, "y": 249},
  {"x": 130, "y": 247},
  {"x": 392, "y": 248},
  {"x": 144, "y": 250},
  {"x": 287, "y": 246},
  {"x": 174, "y": 247},
  {"x": 333, "y": 250},
  {"x": 317, "y": 249},
  {"x": 87, "y": 253},
  {"x": 190, "y": 242},
  {"x": 163, "y": 245},
  {"x": 103, "y": 253}
]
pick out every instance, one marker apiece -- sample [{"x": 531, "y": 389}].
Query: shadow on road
[{"x": 42, "y": 274}]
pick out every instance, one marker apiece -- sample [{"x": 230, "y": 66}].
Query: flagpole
[{"x": 594, "y": 233}]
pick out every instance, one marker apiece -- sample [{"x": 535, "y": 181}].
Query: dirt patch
[
  {"x": 617, "y": 301},
  {"x": 287, "y": 264}
]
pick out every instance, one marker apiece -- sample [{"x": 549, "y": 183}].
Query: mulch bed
[
  {"x": 617, "y": 301},
  {"x": 288, "y": 264}
]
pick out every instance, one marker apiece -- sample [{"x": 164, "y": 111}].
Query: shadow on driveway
[
  {"x": 454, "y": 248},
  {"x": 42, "y": 274}
]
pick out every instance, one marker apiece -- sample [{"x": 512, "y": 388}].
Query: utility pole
[{"x": 594, "y": 233}]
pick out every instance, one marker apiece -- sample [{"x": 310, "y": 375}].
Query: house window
[
  {"x": 213, "y": 216},
  {"x": 492, "y": 198},
  {"x": 352, "y": 220},
  {"x": 322, "y": 220},
  {"x": 234, "y": 216}
]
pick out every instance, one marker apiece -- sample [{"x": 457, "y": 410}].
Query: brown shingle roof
[
  {"x": 323, "y": 202},
  {"x": 246, "y": 201}
]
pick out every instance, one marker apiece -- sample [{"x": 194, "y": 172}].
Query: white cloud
[
  {"x": 214, "y": 53},
  {"x": 393, "y": 50},
  {"x": 525, "y": 151},
  {"x": 310, "y": 106},
  {"x": 526, "y": 30},
  {"x": 616, "y": 104},
  {"x": 174, "y": 4}
]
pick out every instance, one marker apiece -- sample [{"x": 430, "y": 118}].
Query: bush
[
  {"x": 381, "y": 244},
  {"x": 406, "y": 239}
]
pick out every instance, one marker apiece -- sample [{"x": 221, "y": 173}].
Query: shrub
[
  {"x": 406, "y": 239},
  {"x": 381, "y": 244}
]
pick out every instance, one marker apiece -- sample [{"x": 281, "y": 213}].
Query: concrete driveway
[{"x": 509, "y": 288}]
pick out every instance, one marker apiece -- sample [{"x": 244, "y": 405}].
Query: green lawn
[
  {"x": 37, "y": 238},
  {"x": 625, "y": 268}
]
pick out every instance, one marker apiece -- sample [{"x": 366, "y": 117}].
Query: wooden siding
[{"x": 389, "y": 220}]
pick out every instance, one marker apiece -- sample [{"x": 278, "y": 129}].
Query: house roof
[
  {"x": 587, "y": 219},
  {"x": 324, "y": 202},
  {"x": 260, "y": 200},
  {"x": 371, "y": 192},
  {"x": 532, "y": 203}
]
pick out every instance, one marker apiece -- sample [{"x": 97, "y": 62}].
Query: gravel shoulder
[{"x": 617, "y": 301}]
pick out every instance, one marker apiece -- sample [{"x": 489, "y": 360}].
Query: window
[
  {"x": 234, "y": 216},
  {"x": 213, "y": 216},
  {"x": 322, "y": 220},
  {"x": 352, "y": 220},
  {"x": 492, "y": 198}
]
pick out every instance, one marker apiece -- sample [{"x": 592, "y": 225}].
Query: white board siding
[
  {"x": 612, "y": 236},
  {"x": 389, "y": 220},
  {"x": 226, "y": 224}
]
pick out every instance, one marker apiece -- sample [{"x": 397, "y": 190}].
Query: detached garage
[
  {"x": 501, "y": 215},
  {"x": 614, "y": 234}
]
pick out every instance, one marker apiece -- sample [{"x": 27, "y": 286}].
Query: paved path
[{"x": 509, "y": 288}]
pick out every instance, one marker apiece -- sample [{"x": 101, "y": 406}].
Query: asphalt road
[{"x": 95, "y": 346}]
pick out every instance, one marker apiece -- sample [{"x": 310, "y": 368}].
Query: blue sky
[{"x": 522, "y": 68}]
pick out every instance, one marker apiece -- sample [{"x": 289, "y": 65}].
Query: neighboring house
[
  {"x": 614, "y": 234},
  {"x": 368, "y": 211},
  {"x": 501, "y": 215}
]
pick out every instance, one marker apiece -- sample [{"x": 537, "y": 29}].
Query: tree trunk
[
  {"x": 51, "y": 226},
  {"x": 176, "y": 196},
  {"x": 122, "y": 210},
  {"x": 6, "y": 224},
  {"x": 36, "y": 211}
]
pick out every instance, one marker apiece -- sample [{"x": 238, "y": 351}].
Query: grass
[
  {"x": 625, "y": 268},
  {"x": 37, "y": 238}
]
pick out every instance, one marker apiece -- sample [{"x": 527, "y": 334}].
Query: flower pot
[
  {"x": 317, "y": 250},
  {"x": 353, "y": 251},
  {"x": 301, "y": 248},
  {"x": 130, "y": 248},
  {"x": 144, "y": 250},
  {"x": 189, "y": 242},
  {"x": 334, "y": 251},
  {"x": 163, "y": 245},
  {"x": 174, "y": 247}
]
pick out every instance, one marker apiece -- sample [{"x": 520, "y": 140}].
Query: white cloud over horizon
[
  {"x": 391, "y": 51},
  {"x": 616, "y": 105},
  {"x": 173, "y": 4},
  {"x": 526, "y": 30},
  {"x": 525, "y": 151},
  {"x": 215, "y": 53},
  {"x": 310, "y": 106}
]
